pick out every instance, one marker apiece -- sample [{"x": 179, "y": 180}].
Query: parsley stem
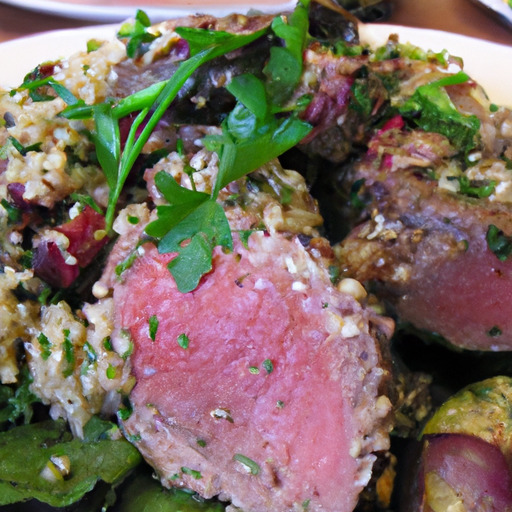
[{"x": 158, "y": 98}]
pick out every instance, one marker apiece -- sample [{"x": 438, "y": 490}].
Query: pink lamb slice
[{"x": 263, "y": 386}]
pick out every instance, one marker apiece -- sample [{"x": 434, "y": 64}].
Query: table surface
[{"x": 460, "y": 16}]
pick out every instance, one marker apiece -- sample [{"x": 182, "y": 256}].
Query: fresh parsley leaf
[
  {"x": 284, "y": 68},
  {"x": 242, "y": 156},
  {"x": 250, "y": 92},
  {"x": 208, "y": 218}
]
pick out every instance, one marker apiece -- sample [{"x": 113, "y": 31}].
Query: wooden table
[{"x": 451, "y": 15}]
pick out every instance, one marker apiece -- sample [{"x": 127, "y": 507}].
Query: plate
[
  {"x": 499, "y": 8},
  {"x": 158, "y": 10},
  {"x": 485, "y": 62}
]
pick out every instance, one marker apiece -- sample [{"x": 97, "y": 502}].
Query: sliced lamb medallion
[{"x": 262, "y": 386}]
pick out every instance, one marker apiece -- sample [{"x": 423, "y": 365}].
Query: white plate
[
  {"x": 486, "y": 62},
  {"x": 158, "y": 10}
]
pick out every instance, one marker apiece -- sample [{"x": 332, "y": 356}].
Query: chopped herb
[
  {"x": 279, "y": 404},
  {"x": 244, "y": 235},
  {"x": 134, "y": 438},
  {"x": 69, "y": 354},
  {"x": 286, "y": 196},
  {"x": 305, "y": 504},
  {"x": 43, "y": 296},
  {"x": 133, "y": 220},
  {"x": 494, "y": 331},
  {"x": 508, "y": 162},
  {"x": 23, "y": 150},
  {"x": 268, "y": 366},
  {"x": 127, "y": 263},
  {"x": 362, "y": 101},
  {"x": 180, "y": 148},
  {"x": 334, "y": 273},
  {"x": 86, "y": 200},
  {"x": 153, "y": 327},
  {"x": 183, "y": 341},
  {"x": 467, "y": 188},
  {"x": 107, "y": 343},
  {"x": 251, "y": 466},
  {"x": 93, "y": 45},
  {"x": 499, "y": 243},
  {"x": 325, "y": 305},
  {"x": 254, "y": 370},
  {"x": 192, "y": 472},
  {"x": 13, "y": 213},
  {"x": 201, "y": 442},
  {"x": 493, "y": 107},
  {"x": 124, "y": 413},
  {"x": 128, "y": 352},
  {"x": 45, "y": 345},
  {"x": 111, "y": 372},
  {"x": 26, "y": 259}
]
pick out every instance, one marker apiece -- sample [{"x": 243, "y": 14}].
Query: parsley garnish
[
  {"x": 153, "y": 327},
  {"x": 192, "y": 472},
  {"x": 69, "y": 353},
  {"x": 499, "y": 243},
  {"x": 268, "y": 366},
  {"x": 45, "y": 345},
  {"x": 183, "y": 341},
  {"x": 193, "y": 223},
  {"x": 252, "y": 467},
  {"x": 467, "y": 188}
]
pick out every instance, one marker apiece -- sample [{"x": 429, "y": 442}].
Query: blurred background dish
[
  {"x": 158, "y": 10},
  {"x": 502, "y": 9}
]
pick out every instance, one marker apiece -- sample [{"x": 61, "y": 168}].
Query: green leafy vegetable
[
  {"x": 432, "y": 110},
  {"x": 499, "y": 243},
  {"x": 284, "y": 67},
  {"x": 18, "y": 403},
  {"x": 88, "y": 463},
  {"x": 145, "y": 494}
]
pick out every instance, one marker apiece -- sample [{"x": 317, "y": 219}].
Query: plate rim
[
  {"x": 45, "y": 46},
  {"x": 111, "y": 14}
]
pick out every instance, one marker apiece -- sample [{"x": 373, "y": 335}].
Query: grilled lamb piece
[
  {"x": 265, "y": 386},
  {"x": 429, "y": 244}
]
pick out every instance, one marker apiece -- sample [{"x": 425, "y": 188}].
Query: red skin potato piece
[
  {"x": 80, "y": 232},
  {"x": 474, "y": 470},
  {"x": 299, "y": 423}
]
